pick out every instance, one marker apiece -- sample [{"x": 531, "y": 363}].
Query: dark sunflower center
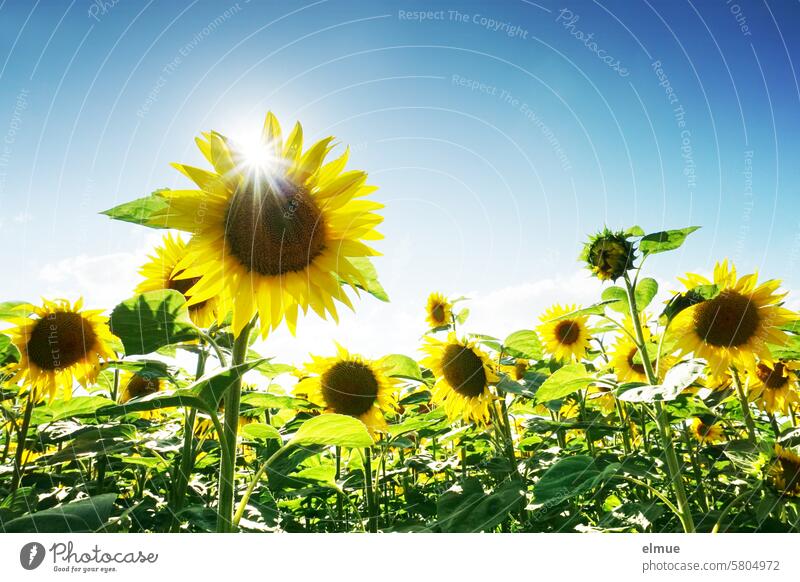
[
  {"x": 182, "y": 286},
  {"x": 772, "y": 378},
  {"x": 438, "y": 313},
  {"x": 728, "y": 320},
  {"x": 463, "y": 370},
  {"x": 637, "y": 367},
  {"x": 274, "y": 229},
  {"x": 59, "y": 340},
  {"x": 791, "y": 473},
  {"x": 703, "y": 429},
  {"x": 141, "y": 385},
  {"x": 349, "y": 388},
  {"x": 567, "y": 332}
]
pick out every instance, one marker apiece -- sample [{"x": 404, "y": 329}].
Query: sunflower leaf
[
  {"x": 617, "y": 299},
  {"x": 523, "y": 344},
  {"x": 332, "y": 430},
  {"x": 86, "y": 515},
  {"x": 569, "y": 477},
  {"x": 675, "y": 381},
  {"x": 152, "y": 320},
  {"x": 370, "y": 276},
  {"x": 400, "y": 366},
  {"x": 8, "y": 351},
  {"x": 685, "y": 300},
  {"x": 141, "y": 210},
  {"x": 646, "y": 290},
  {"x": 666, "y": 240},
  {"x": 562, "y": 382}
]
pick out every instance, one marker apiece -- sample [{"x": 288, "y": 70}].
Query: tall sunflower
[
  {"x": 349, "y": 384},
  {"x": 463, "y": 375},
  {"x": 785, "y": 471},
  {"x": 59, "y": 344},
  {"x": 160, "y": 273},
  {"x": 275, "y": 228},
  {"x": 566, "y": 337},
  {"x": 707, "y": 432},
  {"x": 737, "y": 325},
  {"x": 439, "y": 311},
  {"x": 773, "y": 386}
]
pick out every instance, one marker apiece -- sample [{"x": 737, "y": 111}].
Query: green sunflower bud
[{"x": 608, "y": 255}]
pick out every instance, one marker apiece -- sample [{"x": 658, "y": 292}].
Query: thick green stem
[
  {"x": 748, "y": 418},
  {"x": 22, "y": 436},
  {"x": 227, "y": 473},
  {"x": 664, "y": 429},
  {"x": 372, "y": 510},
  {"x": 187, "y": 451},
  {"x": 254, "y": 481}
]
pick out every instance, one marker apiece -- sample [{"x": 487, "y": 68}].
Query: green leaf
[
  {"x": 634, "y": 231},
  {"x": 646, "y": 290},
  {"x": 400, "y": 366},
  {"x": 676, "y": 380},
  {"x": 263, "y": 401},
  {"x": 258, "y": 431},
  {"x": 212, "y": 387},
  {"x": 86, "y": 515},
  {"x": 685, "y": 300},
  {"x": 165, "y": 399},
  {"x": 569, "y": 477},
  {"x": 77, "y": 406},
  {"x": 523, "y": 344},
  {"x": 9, "y": 353},
  {"x": 152, "y": 320},
  {"x": 595, "y": 309},
  {"x": 141, "y": 211},
  {"x": 462, "y": 316},
  {"x": 14, "y": 309},
  {"x": 667, "y": 240},
  {"x": 564, "y": 381},
  {"x": 370, "y": 275},
  {"x": 617, "y": 299},
  {"x": 466, "y": 507},
  {"x": 333, "y": 430}
]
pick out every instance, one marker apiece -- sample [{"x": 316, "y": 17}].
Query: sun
[
  {"x": 736, "y": 326},
  {"x": 566, "y": 337},
  {"x": 463, "y": 375},
  {"x": 349, "y": 384},
  {"x": 160, "y": 273},
  {"x": 60, "y": 344},
  {"x": 276, "y": 229}
]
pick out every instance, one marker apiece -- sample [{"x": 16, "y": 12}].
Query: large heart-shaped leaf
[
  {"x": 332, "y": 430},
  {"x": 152, "y": 320}
]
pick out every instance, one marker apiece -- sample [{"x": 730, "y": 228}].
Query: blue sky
[{"x": 500, "y": 134}]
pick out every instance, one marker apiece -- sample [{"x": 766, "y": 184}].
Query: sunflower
[
  {"x": 608, "y": 255},
  {"x": 349, "y": 384},
  {"x": 160, "y": 273},
  {"x": 626, "y": 361},
  {"x": 138, "y": 385},
  {"x": 785, "y": 471},
  {"x": 60, "y": 344},
  {"x": 463, "y": 375},
  {"x": 707, "y": 432},
  {"x": 772, "y": 386},
  {"x": 735, "y": 326},
  {"x": 566, "y": 337},
  {"x": 275, "y": 229},
  {"x": 439, "y": 311},
  {"x": 518, "y": 369},
  {"x": 601, "y": 397}
]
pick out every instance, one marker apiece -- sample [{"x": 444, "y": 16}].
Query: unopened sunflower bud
[{"x": 608, "y": 255}]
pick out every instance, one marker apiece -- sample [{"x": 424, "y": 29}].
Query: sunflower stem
[
  {"x": 339, "y": 500},
  {"x": 372, "y": 510},
  {"x": 22, "y": 436},
  {"x": 187, "y": 450},
  {"x": 748, "y": 417},
  {"x": 664, "y": 429},
  {"x": 227, "y": 474}
]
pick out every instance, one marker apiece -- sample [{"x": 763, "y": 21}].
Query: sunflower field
[{"x": 643, "y": 412}]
